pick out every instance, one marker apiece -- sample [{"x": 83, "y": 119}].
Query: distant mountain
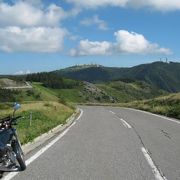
[{"x": 162, "y": 75}]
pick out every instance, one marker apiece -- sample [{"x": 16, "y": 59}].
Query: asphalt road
[{"x": 111, "y": 144}]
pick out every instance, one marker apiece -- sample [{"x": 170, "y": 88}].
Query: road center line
[
  {"x": 158, "y": 175},
  {"x": 125, "y": 123},
  {"x": 41, "y": 151},
  {"x": 112, "y": 112}
]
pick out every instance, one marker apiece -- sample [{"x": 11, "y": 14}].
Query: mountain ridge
[{"x": 162, "y": 75}]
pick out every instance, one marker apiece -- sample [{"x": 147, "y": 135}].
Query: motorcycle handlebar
[
  {"x": 9, "y": 119},
  {"x": 15, "y": 118}
]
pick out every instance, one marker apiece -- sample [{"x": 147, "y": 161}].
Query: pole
[{"x": 30, "y": 118}]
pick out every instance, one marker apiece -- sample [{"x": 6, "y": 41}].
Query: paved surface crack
[
  {"x": 166, "y": 134},
  {"x": 149, "y": 153}
]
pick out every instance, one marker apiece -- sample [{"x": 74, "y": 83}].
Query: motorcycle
[{"x": 11, "y": 154}]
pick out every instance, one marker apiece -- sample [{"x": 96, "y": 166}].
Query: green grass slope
[
  {"x": 74, "y": 91},
  {"x": 166, "y": 105},
  {"x": 45, "y": 116},
  {"x": 47, "y": 109},
  {"x": 80, "y": 94},
  {"x": 126, "y": 92}
]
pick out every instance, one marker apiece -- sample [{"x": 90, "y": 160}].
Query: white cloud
[
  {"x": 162, "y": 5},
  {"x": 87, "y": 47},
  {"x": 131, "y": 42},
  {"x": 28, "y": 72},
  {"x": 30, "y": 26},
  {"x": 126, "y": 42},
  {"x": 25, "y": 14},
  {"x": 18, "y": 14},
  {"x": 37, "y": 3},
  {"x": 94, "y": 21},
  {"x": 98, "y": 3},
  {"x": 35, "y": 39},
  {"x": 21, "y": 72}
]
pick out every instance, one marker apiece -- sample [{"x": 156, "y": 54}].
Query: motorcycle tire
[{"x": 19, "y": 155}]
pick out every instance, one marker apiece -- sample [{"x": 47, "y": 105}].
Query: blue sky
[{"x": 47, "y": 35}]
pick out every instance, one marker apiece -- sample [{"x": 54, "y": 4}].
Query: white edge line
[
  {"x": 112, "y": 112},
  {"x": 41, "y": 151},
  {"x": 126, "y": 124},
  {"x": 80, "y": 114},
  {"x": 145, "y": 112},
  {"x": 155, "y": 170}
]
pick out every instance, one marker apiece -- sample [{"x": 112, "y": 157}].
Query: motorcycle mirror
[{"x": 16, "y": 106}]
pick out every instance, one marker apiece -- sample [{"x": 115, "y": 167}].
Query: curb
[{"x": 40, "y": 140}]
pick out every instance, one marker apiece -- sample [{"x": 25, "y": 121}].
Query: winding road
[{"x": 107, "y": 143}]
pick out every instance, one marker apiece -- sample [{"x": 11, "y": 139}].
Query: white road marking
[
  {"x": 127, "y": 125},
  {"x": 123, "y": 121},
  {"x": 112, "y": 112},
  {"x": 80, "y": 114},
  {"x": 41, "y": 151},
  {"x": 124, "y": 125},
  {"x": 156, "y": 172},
  {"x": 145, "y": 112}
]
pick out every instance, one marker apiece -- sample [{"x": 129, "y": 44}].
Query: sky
[{"x": 46, "y": 35}]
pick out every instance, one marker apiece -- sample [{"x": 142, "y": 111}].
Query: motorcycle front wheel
[{"x": 19, "y": 155}]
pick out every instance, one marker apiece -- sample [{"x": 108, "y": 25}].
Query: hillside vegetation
[
  {"x": 166, "y": 105},
  {"x": 162, "y": 75},
  {"x": 85, "y": 92},
  {"x": 126, "y": 92},
  {"x": 74, "y": 91},
  {"x": 138, "y": 87},
  {"x": 6, "y": 82}
]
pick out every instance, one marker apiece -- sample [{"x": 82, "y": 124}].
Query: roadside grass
[
  {"x": 47, "y": 106},
  {"x": 5, "y": 106},
  {"x": 45, "y": 116},
  {"x": 165, "y": 105}
]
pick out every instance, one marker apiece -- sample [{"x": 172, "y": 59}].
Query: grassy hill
[
  {"x": 72, "y": 91},
  {"x": 162, "y": 75},
  {"x": 110, "y": 92},
  {"x": 126, "y": 92},
  {"x": 85, "y": 92},
  {"x": 130, "y": 94}
]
